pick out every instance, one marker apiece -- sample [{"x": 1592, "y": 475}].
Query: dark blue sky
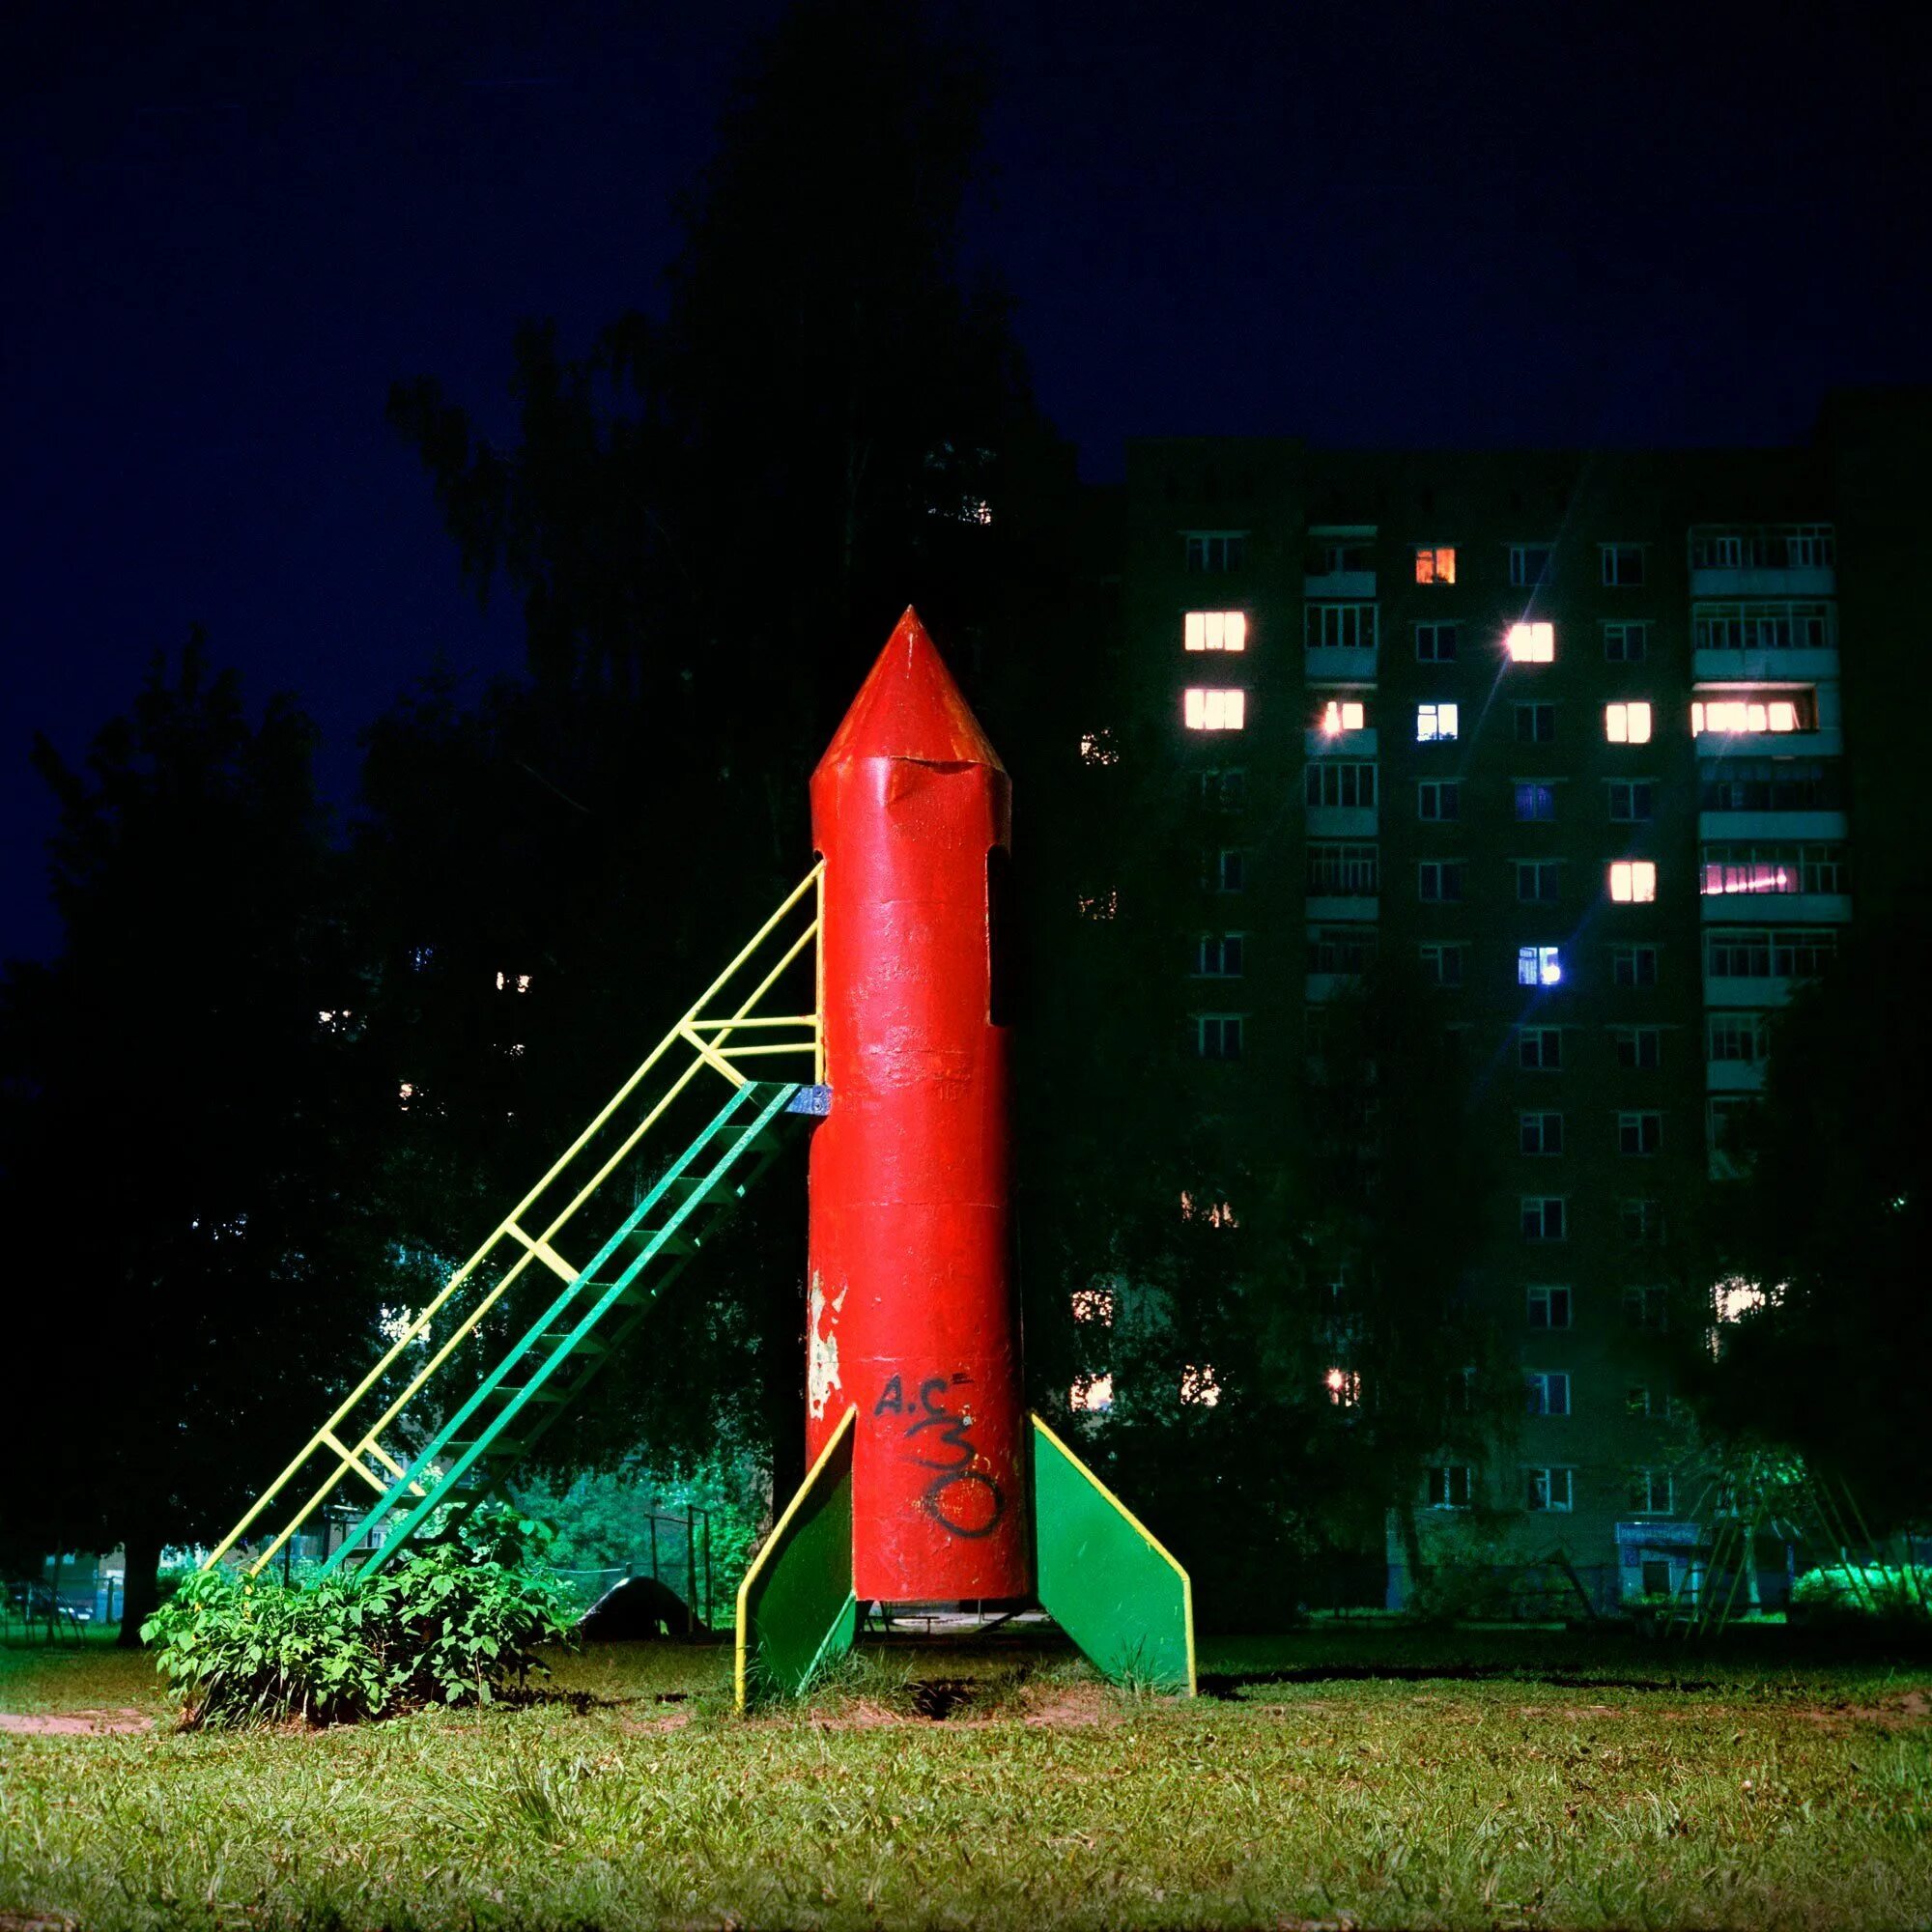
[{"x": 225, "y": 237}]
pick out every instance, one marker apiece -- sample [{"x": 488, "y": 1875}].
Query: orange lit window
[
  {"x": 1199, "y": 1386},
  {"x": 1778, "y": 714},
  {"x": 1091, "y": 1395},
  {"x": 1094, "y": 1304},
  {"x": 1532, "y": 643},
  {"x": 1632, "y": 881},
  {"x": 1436, "y": 566},
  {"x": 1216, "y": 630},
  {"x": 1344, "y": 1386},
  {"x": 1343, "y": 715},
  {"x": 1627, "y": 723},
  {"x": 1213, "y": 710}
]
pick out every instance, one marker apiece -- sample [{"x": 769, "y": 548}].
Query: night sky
[{"x": 225, "y": 235}]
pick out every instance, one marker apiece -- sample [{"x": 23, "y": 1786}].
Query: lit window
[
  {"x": 1344, "y": 1386},
  {"x": 1198, "y": 1385},
  {"x": 1728, "y": 715},
  {"x": 1216, "y": 630},
  {"x": 518, "y": 982},
  {"x": 1546, "y": 1392},
  {"x": 1094, "y": 1304},
  {"x": 1436, "y": 566},
  {"x": 1091, "y": 1395},
  {"x": 1344, "y": 714},
  {"x": 406, "y": 1092},
  {"x": 1099, "y": 905},
  {"x": 1213, "y": 710},
  {"x": 1449, "y": 1486},
  {"x": 1532, "y": 643},
  {"x": 1211, "y": 1214},
  {"x": 1539, "y": 965},
  {"x": 1547, "y": 1489},
  {"x": 1097, "y": 748},
  {"x": 1632, "y": 881},
  {"x": 1549, "y": 1308},
  {"x": 1627, "y": 723},
  {"x": 1435, "y": 723},
  {"x": 1735, "y": 1296},
  {"x": 1535, "y": 799}
]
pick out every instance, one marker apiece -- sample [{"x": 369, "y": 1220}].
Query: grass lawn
[{"x": 1374, "y": 1777}]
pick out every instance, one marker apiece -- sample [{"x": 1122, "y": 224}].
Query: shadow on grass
[{"x": 1229, "y": 1684}]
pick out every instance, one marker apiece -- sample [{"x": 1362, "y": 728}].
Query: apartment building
[{"x": 1565, "y": 730}]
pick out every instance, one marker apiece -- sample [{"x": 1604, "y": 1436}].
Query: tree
[
  {"x": 712, "y": 519},
  {"x": 1826, "y": 1235},
  {"x": 184, "y": 1126}
]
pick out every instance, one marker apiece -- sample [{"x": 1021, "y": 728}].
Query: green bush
[
  {"x": 449, "y": 1626},
  {"x": 1852, "y": 1590}
]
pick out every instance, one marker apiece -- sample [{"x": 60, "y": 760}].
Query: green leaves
[{"x": 449, "y": 1627}]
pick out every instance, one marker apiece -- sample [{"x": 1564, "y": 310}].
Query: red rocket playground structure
[{"x": 929, "y": 1482}]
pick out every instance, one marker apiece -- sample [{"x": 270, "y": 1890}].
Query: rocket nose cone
[{"x": 909, "y": 707}]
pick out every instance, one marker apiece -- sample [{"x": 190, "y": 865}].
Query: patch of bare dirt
[
  {"x": 73, "y": 1724},
  {"x": 674, "y": 1721},
  {"x": 34, "y": 1922},
  {"x": 1071, "y": 1704},
  {"x": 1891, "y": 1714}
]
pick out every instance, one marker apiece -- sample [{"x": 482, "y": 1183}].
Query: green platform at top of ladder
[{"x": 637, "y": 1260}]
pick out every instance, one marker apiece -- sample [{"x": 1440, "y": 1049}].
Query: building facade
[{"x": 1564, "y": 730}]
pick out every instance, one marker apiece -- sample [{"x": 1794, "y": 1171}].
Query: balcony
[
  {"x": 1343, "y": 821},
  {"x": 1812, "y": 664},
  {"x": 1345, "y": 911},
  {"x": 1316, "y": 743},
  {"x": 1763, "y": 560},
  {"x": 1320, "y": 986},
  {"x": 1828, "y": 741},
  {"x": 1355, "y": 586},
  {"x": 1716, "y": 826},
  {"x": 1756, "y": 908},
  {"x": 1734, "y": 1077},
  {"x": 1755, "y": 993},
  {"x": 1339, "y": 664}
]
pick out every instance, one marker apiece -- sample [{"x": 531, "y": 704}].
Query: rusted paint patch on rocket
[{"x": 821, "y": 1371}]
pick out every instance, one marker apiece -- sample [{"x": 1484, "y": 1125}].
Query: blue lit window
[
  {"x": 1535, "y": 801},
  {"x": 1539, "y": 965},
  {"x": 1435, "y": 723}
]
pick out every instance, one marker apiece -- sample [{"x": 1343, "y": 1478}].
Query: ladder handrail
[{"x": 708, "y": 1039}]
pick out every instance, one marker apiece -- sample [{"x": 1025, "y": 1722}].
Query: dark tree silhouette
[
  {"x": 182, "y": 1149},
  {"x": 1831, "y": 1226}
]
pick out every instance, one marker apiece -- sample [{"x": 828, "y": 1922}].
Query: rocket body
[{"x": 912, "y": 1314}]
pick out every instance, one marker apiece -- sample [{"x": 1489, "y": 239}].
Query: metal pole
[
  {"x": 689, "y": 1575},
  {"x": 654, "y": 1549},
  {"x": 707, "y": 1568}
]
